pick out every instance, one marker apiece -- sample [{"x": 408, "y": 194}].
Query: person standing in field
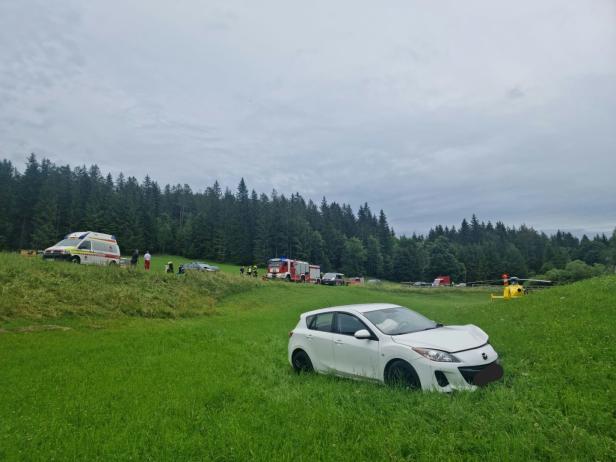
[
  {"x": 249, "y": 270},
  {"x": 241, "y": 270},
  {"x": 146, "y": 260},
  {"x": 134, "y": 259}
]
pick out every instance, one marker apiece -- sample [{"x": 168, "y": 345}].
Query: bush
[{"x": 575, "y": 270}]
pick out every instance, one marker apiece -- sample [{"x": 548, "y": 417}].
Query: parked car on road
[
  {"x": 333, "y": 279},
  {"x": 199, "y": 266},
  {"x": 394, "y": 345}
]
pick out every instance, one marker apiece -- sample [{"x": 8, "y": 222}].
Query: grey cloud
[
  {"x": 429, "y": 111},
  {"x": 516, "y": 92}
]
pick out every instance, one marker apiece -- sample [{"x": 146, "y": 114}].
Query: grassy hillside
[
  {"x": 33, "y": 288},
  {"x": 220, "y": 388},
  {"x": 159, "y": 262}
]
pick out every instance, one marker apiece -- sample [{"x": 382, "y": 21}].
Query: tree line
[{"x": 46, "y": 201}]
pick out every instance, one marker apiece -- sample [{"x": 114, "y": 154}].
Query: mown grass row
[{"x": 33, "y": 288}]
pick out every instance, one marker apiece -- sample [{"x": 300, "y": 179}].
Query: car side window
[
  {"x": 85, "y": 245},
  {"x": 101, "y": 246},
  {"x": 347, "y": 324},
  {"x": 322, "y": 322}
]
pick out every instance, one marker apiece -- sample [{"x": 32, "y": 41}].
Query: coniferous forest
[{"x": 42, "y": 203}]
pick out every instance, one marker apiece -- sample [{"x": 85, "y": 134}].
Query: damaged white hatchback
[{"x": 393, "y": 345}]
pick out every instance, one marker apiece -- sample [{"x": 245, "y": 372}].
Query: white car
[{"x": 393, "y": 345}]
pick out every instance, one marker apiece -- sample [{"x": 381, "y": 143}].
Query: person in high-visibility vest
[
  {"x": 254, "y": 270},
  {"x": 249, "y": 270}
]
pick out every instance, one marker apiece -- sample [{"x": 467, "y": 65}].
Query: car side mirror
[{"x": 363, "y": 334}]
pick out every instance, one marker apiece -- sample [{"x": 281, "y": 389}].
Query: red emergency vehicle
[
  {"x": 293, "y": 270},
  {"x": 442, "y": 281}
]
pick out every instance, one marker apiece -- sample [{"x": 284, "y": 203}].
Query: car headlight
[{"x": 437, "y": 355}]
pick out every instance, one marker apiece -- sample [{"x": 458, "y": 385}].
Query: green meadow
[{"x": 114, "y": 364}]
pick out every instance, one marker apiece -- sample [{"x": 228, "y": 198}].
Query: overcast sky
[{"x": 429, "y": 110}]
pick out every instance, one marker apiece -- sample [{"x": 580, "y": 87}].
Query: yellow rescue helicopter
[{"x": 513, "y": 287}]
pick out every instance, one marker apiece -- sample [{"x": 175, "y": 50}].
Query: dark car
[
  {"x": 199, "y": 266},
  {"x": 333, "y": 279}
]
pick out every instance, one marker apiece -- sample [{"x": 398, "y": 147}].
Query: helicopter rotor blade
[
  {"x": 487, "y": 281},
  {"x": 535, "y": 280}
]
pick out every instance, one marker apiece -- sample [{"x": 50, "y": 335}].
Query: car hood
[
  {"x": 56, "y": 247},
  {"x": 448, "y": 338}
]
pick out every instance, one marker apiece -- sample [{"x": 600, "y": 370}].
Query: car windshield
[
  {"x": 67, "y": 243},
  {"x": 399, "y": 320},
  {"x": 274, "y": 263},
  {"x": 329, "y": 276}
]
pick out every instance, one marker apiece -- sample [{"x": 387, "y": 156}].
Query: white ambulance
[{"x": 86, "y": 247}]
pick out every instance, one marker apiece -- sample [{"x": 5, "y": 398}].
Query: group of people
[
  {"x": 249, "y": 271},
  {"x": 147, "y": 259}
]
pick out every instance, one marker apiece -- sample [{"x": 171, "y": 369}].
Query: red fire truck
[
  {"x": 293, "y": 270},
  {"x": 441, "y": 281}
]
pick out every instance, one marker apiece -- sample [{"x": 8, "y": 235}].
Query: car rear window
[{"x": 321, "y": 322}]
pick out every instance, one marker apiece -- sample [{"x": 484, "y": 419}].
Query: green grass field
[{"x": 206, "y": 377}]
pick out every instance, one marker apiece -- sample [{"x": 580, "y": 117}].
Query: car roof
[
  {"x": 359, "y": 308},
  {"x": 89, "y": 234}
]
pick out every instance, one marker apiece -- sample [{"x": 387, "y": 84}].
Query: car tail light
[{"x": 290, "y": 333}]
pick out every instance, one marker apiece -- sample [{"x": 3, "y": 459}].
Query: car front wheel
[
  {"x": 301, "y": 362},
  {"x": 402, "y": 374}
]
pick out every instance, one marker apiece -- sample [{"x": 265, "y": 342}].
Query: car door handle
[
  {"x": 338, "y": 341},
  {"x": 309, "y": 336}
]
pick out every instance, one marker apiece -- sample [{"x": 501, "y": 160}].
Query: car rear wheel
[
  {"x": 401, "y": 374},
  {"x": 76, "y": 260},
  {"x": 301, "y": 362}
]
